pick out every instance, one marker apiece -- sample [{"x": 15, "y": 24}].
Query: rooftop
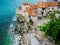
[
  {"x": 50, "y": 4},
  {"x": 25, "y": 3},
  {"x": 20, "y": 8},
  {"x": 30, "y": 8},
  {"x": 33, "y": 6},
  {"x": 42, "y": 5}
]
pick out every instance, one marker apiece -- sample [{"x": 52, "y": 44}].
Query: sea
[{"x": 8, "y": 17}]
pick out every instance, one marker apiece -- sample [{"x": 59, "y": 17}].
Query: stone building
[{"x": 39, "y": 9}]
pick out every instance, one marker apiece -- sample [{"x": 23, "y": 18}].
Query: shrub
[
  {"x": 52, "y": 28},
  {"x": 29, "y": 28},
  {"x": 52, "y": 15}
]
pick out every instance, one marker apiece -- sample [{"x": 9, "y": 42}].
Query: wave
[
  {"x": 14, "y": 38},
  {"x": 11, "y": 26},
  {"x": 14, "y": 18}
]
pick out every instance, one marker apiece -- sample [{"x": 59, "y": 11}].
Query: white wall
[
  {"x": 55, "y": 8},
  {"x": 25, "y": 14},
  {"x": 26, "y": 17},
  {"x": 57, "y": 15},
  {"x": 24, "y": 7},
  {"x": 44, "y": 13},
  {"x": 34, "y": 19},
  {"x": 40, "y": 9},
  {"x": 18, "y": 11}
]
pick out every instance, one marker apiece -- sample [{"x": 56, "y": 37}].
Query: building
[
  {"x": 39, "y": 9},
  {"x": 53, "y": 6},
  {"x": 42, "y": 8},
  {"x": 59, "y": 4}
]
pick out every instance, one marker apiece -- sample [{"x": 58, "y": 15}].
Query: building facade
[{"x": 39, "y": 9}]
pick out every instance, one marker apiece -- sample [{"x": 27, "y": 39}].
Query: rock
[
  {"x": 40, "y": 34},
  {"x": 50, "y": 39},
  {"x": 33, "y": 37},
  {"x": 35, "y": 41},
  {"x": 19, "y": 44},
  {"x": 45, "y": 41}
]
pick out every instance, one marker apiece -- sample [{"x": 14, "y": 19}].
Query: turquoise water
[{"x": 7, "y": 12}]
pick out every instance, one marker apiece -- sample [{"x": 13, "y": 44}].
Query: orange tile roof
[
  {"x": 20, "y": 8},
  {"x": 42, "y": 5},
  {"x": 52, "y": 4},
  {"x": 29, "y": 10},
  {"x": 33, "y": 6},
  {"x": 25, "y": 3},
  {"x": 34, "y": 15}
]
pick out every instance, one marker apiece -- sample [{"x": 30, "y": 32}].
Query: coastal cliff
[
  {"x": 28, "y": 33},
  {"x": 29, "y": 17}
]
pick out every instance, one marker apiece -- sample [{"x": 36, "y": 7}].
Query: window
[
  {"x": 52, "y": 8},
  {"x": 43, "y": 9},
  {"x": 24, "y": 11},
  {"x": 35, "y": 8},
  {"x": 48, "y": 8},
  {"x": 26, "y": 7}
]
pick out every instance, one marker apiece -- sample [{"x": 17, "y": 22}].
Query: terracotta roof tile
[
  {"x": 52, "y": 4},
  {"x": 25, "y": 3},
  {"x": 42, "y": 5},
  {"x": 34, "y": 15},
  {"x": 33, "y": 6},
  {"x": 20, "y": 8},
  {"x": 29, "y": 10}
]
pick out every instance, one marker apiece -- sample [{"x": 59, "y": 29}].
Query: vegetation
[
  {"x": 29, "y": 27},
  {"x": 20, "y": 16},
  {"x": 52, "y": 15},
  {"x": 31, "y": 22},
  {"x": 43, "y": 9},
  {"x": 52, "y": 28}
]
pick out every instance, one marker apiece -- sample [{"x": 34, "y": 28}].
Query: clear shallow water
[{"x": 7, "y": 12}]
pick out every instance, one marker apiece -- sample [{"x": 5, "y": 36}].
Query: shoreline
[
  {"x": 33, "y": 36},
  {"x": 13, "y": 37}
]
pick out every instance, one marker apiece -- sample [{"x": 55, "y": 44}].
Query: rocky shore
[{"x": 28, "y": 34}]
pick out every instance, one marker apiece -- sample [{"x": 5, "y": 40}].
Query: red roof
[
  {"x": 29, "y": 10},
  {"x": 20, "y": 8},
  {"x": 34, "y": 15},
  {"x": 42, "y": 5},
  {"x": 33, "y": 6},
  {"x": 25, "y": 3},
  {"x": 50, "y": 4}
]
